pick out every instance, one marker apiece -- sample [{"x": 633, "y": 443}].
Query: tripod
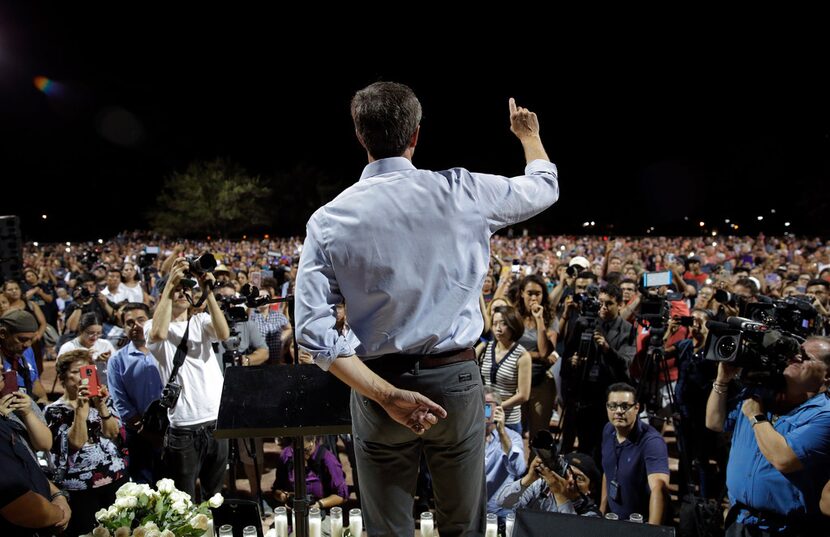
[{"x": 649, "y": 392}]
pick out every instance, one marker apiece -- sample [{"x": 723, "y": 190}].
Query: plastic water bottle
[
  {"x": 314, "y": 522},
  {"x": 636, "y": 517},
  {"x": 336, "y": 521},
  {"x": 280, "y": 521},
  {"x": 427, "y": 525},
  {"x": 492, "y": 528},
  {"x": 355, "y": 522},
  {"x": 509, "y": 521}
]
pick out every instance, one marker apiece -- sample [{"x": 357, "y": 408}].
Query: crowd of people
[{"x": 547, "y": 362}]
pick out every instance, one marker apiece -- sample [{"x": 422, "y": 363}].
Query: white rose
[
  {"x": 166, "y": 485},
  {"x": 179, "y": 507},
  {"x": 101, "y": 515},
  {"x": 123, "y": 531},
  {"x": 199, "y": 522},
  {"x": 112, "y": 511},
  {"x": 179, "y": 496},
  {"x": 152, "y": 533},
  {"x": 150, "y": 526},
  {"x": 140, "y": 532},
  {"x": 216, "y": 500},
  {"x": 100, "y": 531},
  {"x": 167, "y": 533},
  {"x": 127, "y": 502}
]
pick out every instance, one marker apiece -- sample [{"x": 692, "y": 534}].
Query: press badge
[{"x": 614, "y": 490}]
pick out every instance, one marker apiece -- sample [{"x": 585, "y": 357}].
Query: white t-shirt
[
  {"x": 200, "y": 377},
  {"x": 133, "y": 294},
  {"x": 101, "y": 346}
]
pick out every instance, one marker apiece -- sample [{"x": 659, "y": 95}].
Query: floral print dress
[{"x": 98, "y": 463}]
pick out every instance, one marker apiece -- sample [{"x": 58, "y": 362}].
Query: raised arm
[{"x": 525, "y": 125}]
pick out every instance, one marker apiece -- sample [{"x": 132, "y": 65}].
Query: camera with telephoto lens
[
  {"x": 544, "y": 447},
  {"x": 170, "y": 394},
  {"x": 764, "y": 343},
  {"x": 82, "y": 294},
  {"x": 198, "y": 266},
  {"x": 588, "y": 301}
]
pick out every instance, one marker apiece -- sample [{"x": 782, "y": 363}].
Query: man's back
[{"x": 410, "y": 248}]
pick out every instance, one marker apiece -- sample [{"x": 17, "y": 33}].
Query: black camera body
[
  {"x": 170, "y": 395},
  {"x": 544, "y": 446},
  {"x": 82, "y": 294},
  {"x": 197, "y": 266}
]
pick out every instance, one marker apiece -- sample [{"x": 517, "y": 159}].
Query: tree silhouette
[{"x": 215, "y": 197}]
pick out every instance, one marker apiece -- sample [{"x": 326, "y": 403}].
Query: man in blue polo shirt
[
  {"x": 135, "y": 382},
  {"x": 780, "y": 456},
  {"x": 635, "y": 460}
]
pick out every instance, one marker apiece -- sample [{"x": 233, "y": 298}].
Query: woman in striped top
[{"x": 505, "y": 365}]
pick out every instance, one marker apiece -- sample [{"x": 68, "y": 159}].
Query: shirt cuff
[{"x": 325, "y": 358}]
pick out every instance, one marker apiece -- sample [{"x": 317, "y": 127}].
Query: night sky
[{"x": 646, "y": 131}]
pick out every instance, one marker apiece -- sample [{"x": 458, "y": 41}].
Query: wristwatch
[
  {"x": 757, "y": 418},
  {"x": 61, "y": 492}
]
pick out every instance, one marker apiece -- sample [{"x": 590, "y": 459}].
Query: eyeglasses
[{"x": 625, "y": 407}]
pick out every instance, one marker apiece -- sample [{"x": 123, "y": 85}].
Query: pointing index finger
[{"x": 512, "y": 104}]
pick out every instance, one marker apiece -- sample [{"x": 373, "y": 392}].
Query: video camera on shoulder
[{"x": 544, "y": 446}]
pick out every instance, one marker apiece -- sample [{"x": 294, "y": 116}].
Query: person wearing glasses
[
  {"x": 635, "y": 460},
  {"x": 780, "y": 455}
]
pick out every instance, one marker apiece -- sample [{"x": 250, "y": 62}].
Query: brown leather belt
[{"x": 390, "y": 364}]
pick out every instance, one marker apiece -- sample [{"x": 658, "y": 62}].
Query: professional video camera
[
  {"x": 235, "y": 310},
  {"x": 764, "y": 344}
]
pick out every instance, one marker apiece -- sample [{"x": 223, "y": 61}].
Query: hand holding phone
[
  {"x": 10, "y": 383},
  {"x": 89, "y": 380},
  {"x": 488, "y": 412}
]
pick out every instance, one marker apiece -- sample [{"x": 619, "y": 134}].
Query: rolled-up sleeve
[
  {"x": 504, "y": 201},
  {"x": 316, "y": 295}
]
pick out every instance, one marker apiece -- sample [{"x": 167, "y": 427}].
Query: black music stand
[{"x": 296, "y": 401}]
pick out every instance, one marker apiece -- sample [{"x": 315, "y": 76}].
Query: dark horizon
[{"x": 139, "y": 98}]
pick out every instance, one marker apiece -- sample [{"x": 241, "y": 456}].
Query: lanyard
[{"x": 494, "y": 368}]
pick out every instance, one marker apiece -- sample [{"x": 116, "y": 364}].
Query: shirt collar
[
  {"x": 132, "y": 350},
  {"x": 386, "y": 165}
]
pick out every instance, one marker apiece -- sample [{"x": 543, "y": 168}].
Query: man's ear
[
  {"x": 414, "y": 140},
  {"x": 360, "y": 139}
]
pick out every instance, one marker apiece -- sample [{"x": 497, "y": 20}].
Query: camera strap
[{"x": 181, "y": 352}]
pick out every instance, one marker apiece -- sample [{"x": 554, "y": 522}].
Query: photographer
[
  {"x": 587, "y": 377},
  {"x": 780, "y": 457},
  {"x": 250, "y": 347},
  {"x": 87, "y": 299},
  {"x": 504, "y": 457},
  {"x": 545, "y": 490},
  {"x": 191, "y": 451}
]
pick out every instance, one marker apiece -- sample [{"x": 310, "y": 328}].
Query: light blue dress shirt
[
  {"x": 408, "y": 250},
  {"x": 134, "y": 381},
  {"x": 500, "y": 468}
]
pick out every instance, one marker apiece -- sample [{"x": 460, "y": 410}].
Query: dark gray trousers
[{"x": 387, "y": 455}]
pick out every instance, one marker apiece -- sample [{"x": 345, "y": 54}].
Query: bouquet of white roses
[{"x": 140, "y": 511}]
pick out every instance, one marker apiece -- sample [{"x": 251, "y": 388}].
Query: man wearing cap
[
  {"x": 17, "y": 329},
  {"x": 222, "y": 273},
  {"x": 408, "y": 251},
  {"x": 545, "y": 490}
]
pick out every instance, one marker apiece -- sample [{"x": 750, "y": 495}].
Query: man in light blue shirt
[
  {"x": 504, "y": 455},
  {"x": 134, "y": 383},
  {"x": 408, "y": 251}
]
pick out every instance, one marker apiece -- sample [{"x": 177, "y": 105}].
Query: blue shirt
[
  {"x": 753, "y": 481},
  {"x": 134, "y": 381},
  {"x": 629, "y": 463},
  {"x": 501, "y": 468},
  {"x": 31, "y": 364},
  {"x": 408, "y": 251}
]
